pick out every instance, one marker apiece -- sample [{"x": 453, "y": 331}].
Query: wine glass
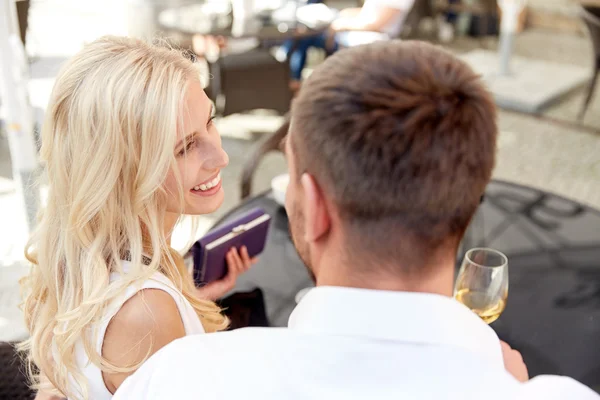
[{"x": 482, "y": 283}]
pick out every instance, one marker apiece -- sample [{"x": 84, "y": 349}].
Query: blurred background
[{"x": 539, "y": 58}]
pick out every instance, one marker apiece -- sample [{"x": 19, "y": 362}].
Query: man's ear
[{"x": 316, "y": 214}]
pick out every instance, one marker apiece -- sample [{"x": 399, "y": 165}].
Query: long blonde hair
[{"x": 108, "y": 144}]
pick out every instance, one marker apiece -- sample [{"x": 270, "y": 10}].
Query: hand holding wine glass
[{"x": 482, "y": 283}]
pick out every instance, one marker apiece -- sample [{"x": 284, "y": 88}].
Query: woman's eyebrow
[{"x": 185, "y": 139}]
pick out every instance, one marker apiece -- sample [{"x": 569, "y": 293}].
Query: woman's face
[{"x": 199, "y": 156}]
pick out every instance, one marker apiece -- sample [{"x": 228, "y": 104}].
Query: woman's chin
[{"x": 200, "y": 205}]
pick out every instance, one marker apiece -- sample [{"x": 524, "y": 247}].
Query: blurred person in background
[
  {"x": 129, "y": 147},
  {"x": 375, "y": 20}
]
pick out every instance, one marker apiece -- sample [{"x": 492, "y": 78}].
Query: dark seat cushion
[{"x": 13, "y": 380}]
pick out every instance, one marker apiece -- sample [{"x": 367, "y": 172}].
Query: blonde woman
[{"x": 129, "y": 147}]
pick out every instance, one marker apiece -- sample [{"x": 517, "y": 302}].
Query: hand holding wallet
[{"x": 250, "y": 230}]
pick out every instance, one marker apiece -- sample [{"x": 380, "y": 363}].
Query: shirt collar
[{"x": 419, "y": 318}]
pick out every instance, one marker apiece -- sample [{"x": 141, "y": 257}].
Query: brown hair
[{"x": 402, "y": 136}]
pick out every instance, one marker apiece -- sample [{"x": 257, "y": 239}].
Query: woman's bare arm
[{"x": 147, "y": 322}]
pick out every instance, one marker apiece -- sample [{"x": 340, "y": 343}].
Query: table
[
  {"x": 553, "y": 248},
  {"x": 193, "y": 19}
]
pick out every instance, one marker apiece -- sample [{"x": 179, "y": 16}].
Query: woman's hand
[{"x": 237, "y": 263}]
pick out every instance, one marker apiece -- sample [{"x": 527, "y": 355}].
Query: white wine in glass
[{"x": 482, "y": 283}]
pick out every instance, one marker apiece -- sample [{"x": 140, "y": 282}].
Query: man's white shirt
[{"x": 348, "y": 344}]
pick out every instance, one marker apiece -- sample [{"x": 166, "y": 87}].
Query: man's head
[{"x": 390, "y": 148}]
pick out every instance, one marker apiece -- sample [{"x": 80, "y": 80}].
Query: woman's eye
[{"x": 189, "y": 146}]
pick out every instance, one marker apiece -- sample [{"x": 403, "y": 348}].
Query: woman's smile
[{"x": 209, "y": 187}]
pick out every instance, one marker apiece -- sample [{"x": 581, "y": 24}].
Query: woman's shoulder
[
  {"x": 147, "y": 321},
  {"x": 148, "y": 308},
  {"x": 157, "y": 286},
  {"x": 149, "y": 292}
]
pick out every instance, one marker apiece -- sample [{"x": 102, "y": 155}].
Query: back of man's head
[{"x": 402, "y": 138}]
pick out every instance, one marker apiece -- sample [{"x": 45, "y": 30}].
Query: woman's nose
[{"x": 218, "y": 160}]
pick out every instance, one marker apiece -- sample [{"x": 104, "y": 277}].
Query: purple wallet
[{"x": 249, "y": 229}]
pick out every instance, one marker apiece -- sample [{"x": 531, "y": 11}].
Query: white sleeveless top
[{"x": 191, "y": 322}]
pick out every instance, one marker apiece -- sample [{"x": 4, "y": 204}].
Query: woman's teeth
[{"x": 208, "y": 185}]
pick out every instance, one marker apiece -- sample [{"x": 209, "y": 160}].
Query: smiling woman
[
  {"x": 199, "y": 157},
  {"x": 129, "y": 147}
]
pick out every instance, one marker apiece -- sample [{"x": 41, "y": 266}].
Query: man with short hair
[{"x": 390, "y": 148}]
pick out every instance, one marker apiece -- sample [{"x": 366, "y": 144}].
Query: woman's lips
[{"x": 209, "y": 187}]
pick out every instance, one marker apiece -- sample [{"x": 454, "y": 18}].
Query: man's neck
[{"x": 438, "y": 278}]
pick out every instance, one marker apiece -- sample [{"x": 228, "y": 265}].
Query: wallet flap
[{"x": 239, "y": 230}]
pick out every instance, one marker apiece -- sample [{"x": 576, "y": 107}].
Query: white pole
[
  {"x": 19, "y": 119},
  {"x": 508, "y": 27}
]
